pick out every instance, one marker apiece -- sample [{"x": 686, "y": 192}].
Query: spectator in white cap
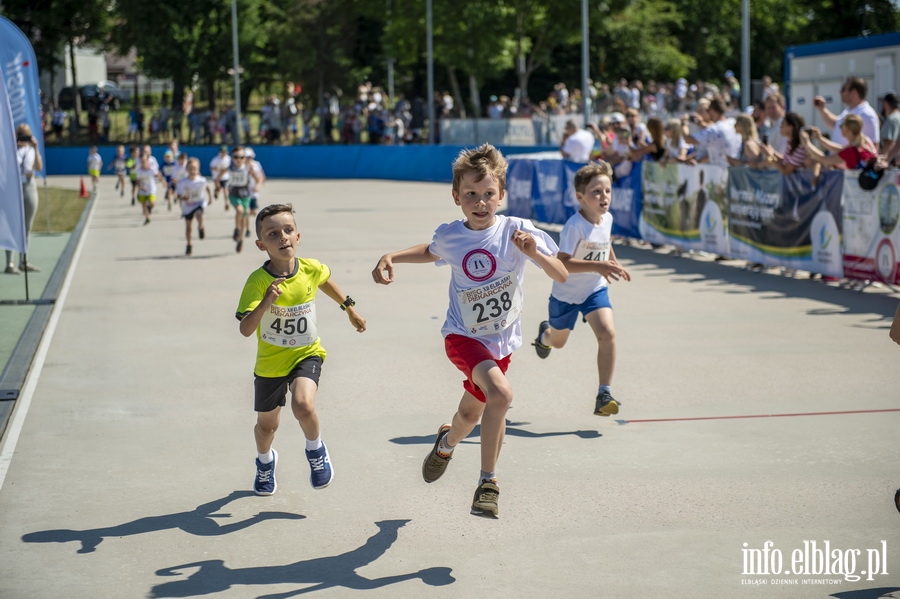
[{"x": 853, "y": 94}]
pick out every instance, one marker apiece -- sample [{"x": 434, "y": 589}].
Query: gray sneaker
[
  {"x": 435, "y": 465},
  {"x": 540, "y": 349},
  {"x": 485, "y": 502},
  {"x": 606, "y": 405}
]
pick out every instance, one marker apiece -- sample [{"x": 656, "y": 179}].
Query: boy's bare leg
[
  {"x": 465, "y": 419},
  {"x": 556, "y": 337},
  {"x": 491, "y": 380},
  {"x": 601, "y": 321},
  {"x": 264, "y": 431},
  {"x": 303, "y": 405}
]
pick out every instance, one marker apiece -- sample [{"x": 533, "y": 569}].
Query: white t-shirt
[
  {"x": 179, "y": 172},
  {"x": 870, "y": 121},
  {"x": 195, "y": 191},
  {"x": 486, "y": 280},
  {"x": 257, "y": 168},
  {"x": 720, "y": 140},
  {"x": 218, "y": 163},
  {"x": 146, "y": 179},
  {"x": 94, "y": 162},
  {"x": 578, "y": 146},
  {"x": 25, "y": 158},
  {"x": 583, "y": 240}
]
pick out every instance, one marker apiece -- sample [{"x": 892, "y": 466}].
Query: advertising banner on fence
[
  {"x": 626, "y": 203},
  {"x": 871, "y": 233},
  {"x": 792, "y": 221},
  {"x": 685, "y": 206}
]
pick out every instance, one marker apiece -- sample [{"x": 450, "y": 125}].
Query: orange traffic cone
[{"x": 84, "y": 192}]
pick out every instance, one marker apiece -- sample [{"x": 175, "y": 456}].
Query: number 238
[{"x": 496, "y": 307}]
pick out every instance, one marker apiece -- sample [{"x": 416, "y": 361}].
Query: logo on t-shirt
[{"x": 479, "y": 265}]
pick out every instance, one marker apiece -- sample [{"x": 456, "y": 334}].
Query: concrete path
[{"x": 757, "y": 408}]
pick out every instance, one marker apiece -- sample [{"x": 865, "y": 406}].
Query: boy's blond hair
[
  {"x": 485, "y": 160},
  {"x": 589, "y": 171},
  {"x": 272, "y": 210}
]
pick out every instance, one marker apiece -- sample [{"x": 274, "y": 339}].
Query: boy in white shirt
[
  {"x": 487, "y": 254},
  {"x": 586, "y": 252},
  {"x": 194, "y": 196}
]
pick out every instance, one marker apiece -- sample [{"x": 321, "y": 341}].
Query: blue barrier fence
[{"x": 400, "y": 163}]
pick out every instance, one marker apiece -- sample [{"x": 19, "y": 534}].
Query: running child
[
  {"x": 167, "y": 168},
  {"x": 119, "y": 163},
  {"x": 194, "y": 196},
  {"x": 147, "y": 174},
  {"x": 487, "y": 254},
  {"x": 586, "y": 252},
  {"x": 256, "y": 167},
  {"x": 220, "y": 161},
  {"x": 131, "y": 165},
  {"x": 278, "y": 304},
  {"x": 238, "y": 178},
  {"x": 94, "y": 164}
]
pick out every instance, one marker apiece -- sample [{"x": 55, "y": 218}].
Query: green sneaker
[
  {"x": 434, "y": 465},
  {"x": 606, "y": 405},
  {"x": 485, "y": 502}
]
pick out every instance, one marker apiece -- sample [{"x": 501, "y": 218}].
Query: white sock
[
  {"x": 487, "y": 477},
  {"x": 266, "y": 458},
  {"x": 312, "y": 445},
  {"x": 443, "y": 449}
]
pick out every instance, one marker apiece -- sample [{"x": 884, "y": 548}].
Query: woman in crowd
[
  {"x": 750, "y": 148},
  {"x": 854, "y": 155}
]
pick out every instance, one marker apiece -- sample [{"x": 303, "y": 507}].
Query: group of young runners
[
  {"x": 238, "y": 175},
  {"x": 487, "y": 253}
]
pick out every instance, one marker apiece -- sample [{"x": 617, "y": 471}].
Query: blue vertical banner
[
  {"x": 12, "y": 206},
  {"x": 20, "y": 73}
]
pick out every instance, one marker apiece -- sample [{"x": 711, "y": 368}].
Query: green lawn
[{"x": 64, "y": 207}]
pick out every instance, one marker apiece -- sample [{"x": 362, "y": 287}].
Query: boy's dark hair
[
  {"x": 271, "y": 210},
  {"x": 589, "y": 171},
  {"x": 485, "y": 160},
  {"x": 236, "y": 149}
]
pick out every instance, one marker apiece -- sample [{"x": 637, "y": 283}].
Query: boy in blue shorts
[
  {"x": 487, "y": 253},
  {"x": 278, "y": 304},
  {"x": 586, "y": 251}
]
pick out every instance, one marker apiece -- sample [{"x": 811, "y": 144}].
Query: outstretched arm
[
  {"x": 331, "y": 289},
  {"x": 611, "y": 269},
  {"x": 383, "y": 274}
]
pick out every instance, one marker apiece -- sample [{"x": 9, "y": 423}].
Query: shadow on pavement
[
  {"x": 512, "y": 430},
  {"x": 199, "y": 522},
  {"x": 212, "y": 576}
]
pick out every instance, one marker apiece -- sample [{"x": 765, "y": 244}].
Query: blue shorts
[{"x": 564, "y": 316}]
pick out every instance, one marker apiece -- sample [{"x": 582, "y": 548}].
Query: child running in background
[
  {"x": 119, "y": 163},
  {"x": 94, "y": 164},
  {"x": 131, "y": 165},
  {"x": 167, "y": 168},
  {"x": 238, "y": 178},
  {"x": 487, "y": 254},
  {"x": 588, "y": 255},
  {"x": 147, "y": 174},
  {"x": 256, "y": 167},
  {"x": 194, "y": 196},
  {"x": 278, "y": 305}
]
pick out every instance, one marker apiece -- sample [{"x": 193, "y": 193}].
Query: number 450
[{"x": 290, "y": 326}]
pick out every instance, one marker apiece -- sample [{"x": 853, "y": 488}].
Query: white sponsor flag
[{"x": 12, "y": 206}]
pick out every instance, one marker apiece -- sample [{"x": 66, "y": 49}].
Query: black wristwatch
[{"x": 347, "y": 303}]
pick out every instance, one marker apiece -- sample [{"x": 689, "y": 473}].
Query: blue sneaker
[
  {"x": 264, "y": 483},
  {"x": 321, "y": 471}
]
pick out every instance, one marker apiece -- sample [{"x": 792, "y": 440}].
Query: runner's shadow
[
  {"x": 512, "y": 429},
  {"x": 212, "y": 576},
  {"x": 197, "y": 522}
]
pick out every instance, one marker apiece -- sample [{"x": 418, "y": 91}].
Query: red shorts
[{"x": 467, "y": 353}]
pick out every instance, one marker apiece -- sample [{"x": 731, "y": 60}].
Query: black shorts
[
  {"x": 271, "y": 393},
  {"x": 190, "y": 215}
]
